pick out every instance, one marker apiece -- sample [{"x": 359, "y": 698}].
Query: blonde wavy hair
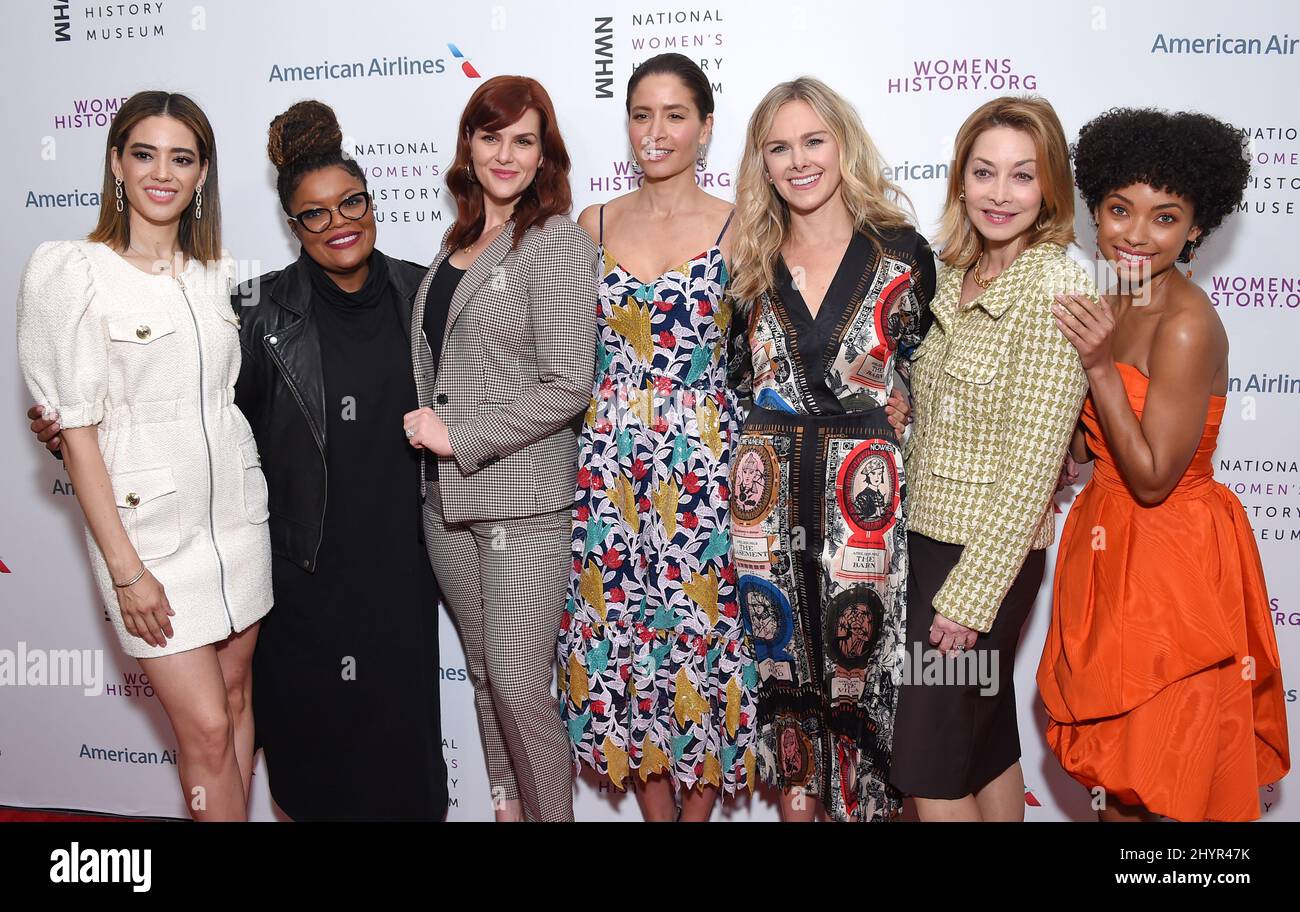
[
  {"x": 762, "y": 217},
  {"x": 959, "y": 242}
]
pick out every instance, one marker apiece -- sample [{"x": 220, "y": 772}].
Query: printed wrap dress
[{"x": 818, "y": 508}]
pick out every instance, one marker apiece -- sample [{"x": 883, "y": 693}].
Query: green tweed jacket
[{"x": 997, "y": 390}]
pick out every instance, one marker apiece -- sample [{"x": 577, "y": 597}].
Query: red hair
[{"x": 497, "y": 104}]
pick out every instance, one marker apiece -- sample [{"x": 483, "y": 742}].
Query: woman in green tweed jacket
[{"x": 997, "y": 391}]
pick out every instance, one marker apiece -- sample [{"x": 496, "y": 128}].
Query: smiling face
[
  {"x": 1142, "y": 230},
  {"x": 159, "y": 168},
  {"x": 801, "y": 157},
  {"x": 664, "y": 126},
  {"x": 505, "y": 161},
  {"x": 1003, "y": 195},
  {"x": 345, "y": 246}
]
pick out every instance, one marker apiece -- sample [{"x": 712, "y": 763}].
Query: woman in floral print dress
[{"x": 656, "y": 672}]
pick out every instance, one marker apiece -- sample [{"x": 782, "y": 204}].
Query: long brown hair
[
  {"x": 958, "y": 239},
  {"x": 199, "y": 239},
  {"x": 498, "y": 103}
]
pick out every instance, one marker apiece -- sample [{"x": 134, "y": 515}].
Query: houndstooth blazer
[
  {"x": 997, "y": 390},
  {"x": 516, "y": 369}
]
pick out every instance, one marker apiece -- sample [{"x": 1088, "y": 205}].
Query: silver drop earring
[
  {"x": 198, "y": 202},
  {"x": 118, "y": 193}
]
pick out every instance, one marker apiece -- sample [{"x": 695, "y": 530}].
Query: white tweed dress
[{"x": 152, "y": 361}]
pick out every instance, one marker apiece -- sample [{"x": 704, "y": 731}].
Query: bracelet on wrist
[{"x": 132, "y": 581}]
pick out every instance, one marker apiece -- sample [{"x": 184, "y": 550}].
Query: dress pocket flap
[
  {"x": 140, "y": 328},
  {"x": 970, "y": 367},
  {"x": 132, "y": 489},
  {"x": 957, "y": 467},
  {"x": 248, "y": 453}
]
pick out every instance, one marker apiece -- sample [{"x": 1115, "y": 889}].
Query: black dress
[{"x": 345, "y": 678}]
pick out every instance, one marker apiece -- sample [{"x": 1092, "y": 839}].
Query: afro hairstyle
[{"x": 1191, "y": 155}]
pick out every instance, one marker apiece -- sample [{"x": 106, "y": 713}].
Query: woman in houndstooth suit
[{"x": 504, "y": 347}]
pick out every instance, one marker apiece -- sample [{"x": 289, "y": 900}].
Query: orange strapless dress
[{"x": 1160, "y": 618}]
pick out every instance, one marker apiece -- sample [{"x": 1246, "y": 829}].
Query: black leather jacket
[{"x": 281, "y": 391}]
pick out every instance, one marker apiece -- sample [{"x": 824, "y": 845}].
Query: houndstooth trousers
[
  {"x": 514, "y": 373},
  {"x": 505, "y": 582}
]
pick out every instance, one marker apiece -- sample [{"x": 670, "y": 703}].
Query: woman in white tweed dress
[{"x": 130, "y": 336}]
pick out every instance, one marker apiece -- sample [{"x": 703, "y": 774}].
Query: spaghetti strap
[
  {"x": 724, "y": 227},
  {"x": 601, "y": 233}
]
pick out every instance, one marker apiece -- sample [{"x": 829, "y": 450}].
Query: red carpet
[{"x": 26, "y": 815}]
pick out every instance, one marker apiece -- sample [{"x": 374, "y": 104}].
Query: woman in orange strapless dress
[{"x": 1160, "y": 673}]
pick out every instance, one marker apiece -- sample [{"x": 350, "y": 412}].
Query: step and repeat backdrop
[{"x": 398, "y": 74}]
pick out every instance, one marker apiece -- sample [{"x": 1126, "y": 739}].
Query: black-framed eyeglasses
[{"x": 318, "y": 220}]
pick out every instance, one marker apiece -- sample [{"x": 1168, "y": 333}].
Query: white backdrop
[{"x": 914, "y": 69}]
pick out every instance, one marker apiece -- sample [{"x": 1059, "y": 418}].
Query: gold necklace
[
  {"x": 497, "y": 230},
  {"x": 979, "y": 279},
  {"x": 163, "y": 265}
]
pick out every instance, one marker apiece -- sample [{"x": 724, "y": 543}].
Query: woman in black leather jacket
[{"x": 345, "y": 677}]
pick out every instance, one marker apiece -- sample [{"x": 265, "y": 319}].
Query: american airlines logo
[{"x": 465, "y": 66}]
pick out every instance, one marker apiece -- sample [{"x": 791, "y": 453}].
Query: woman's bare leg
[
  {"x": 235, "y": 656},
  {"x": 193, "y": 693}
]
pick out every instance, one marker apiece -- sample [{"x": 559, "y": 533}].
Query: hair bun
[{"x": 308, "y": 128}]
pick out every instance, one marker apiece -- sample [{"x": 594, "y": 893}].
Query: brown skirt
[{"x": 955, "y": 730}]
